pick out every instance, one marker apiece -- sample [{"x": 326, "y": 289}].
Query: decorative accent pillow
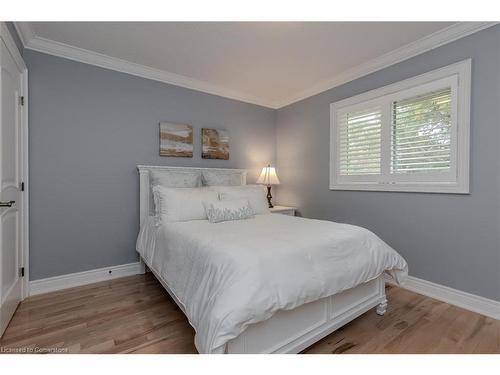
[
  {"x": 176, "y": 179},
  {"x": 182, "y": 204},
  {"x": 234, "y": 209},
  {"x": 222, "y": 178},
  {"x": 255, "y": 194}
]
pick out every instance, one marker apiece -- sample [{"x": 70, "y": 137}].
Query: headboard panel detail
[{"x": 145, "y": 208}]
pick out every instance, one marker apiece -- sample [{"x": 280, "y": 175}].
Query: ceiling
[{"x": 267, "y": 63}]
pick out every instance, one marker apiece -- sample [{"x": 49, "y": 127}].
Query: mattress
[{"x": 232, "y": 274}]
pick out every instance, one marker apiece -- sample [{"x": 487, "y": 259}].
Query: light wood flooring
[{"x": 135, "y": 315}]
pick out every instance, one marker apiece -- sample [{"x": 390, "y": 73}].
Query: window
[{"x": 409, "y": 136}]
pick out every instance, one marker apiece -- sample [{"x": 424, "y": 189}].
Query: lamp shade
[{"x": 268, "y": 176}]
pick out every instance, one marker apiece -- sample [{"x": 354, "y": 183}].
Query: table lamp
[{"x": 268, "y": 177}]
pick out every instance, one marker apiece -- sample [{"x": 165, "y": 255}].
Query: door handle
[{"x": 7, "y": 203}]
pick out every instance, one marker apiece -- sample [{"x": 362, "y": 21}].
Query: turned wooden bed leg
[
  {"x": 382, "y": 307},
  {"x": 142, "y": 266}
]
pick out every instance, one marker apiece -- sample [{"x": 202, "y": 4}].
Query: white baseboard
[
  {"x": 443, "y": 293},
  {"x": 452, "y": 296},
  {"x": 51, "y": 284}
]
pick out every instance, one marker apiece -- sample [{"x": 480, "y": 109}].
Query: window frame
[{"x": 458, "y": 77}]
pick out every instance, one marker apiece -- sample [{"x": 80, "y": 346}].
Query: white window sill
[{"x": 409, "y": 188}]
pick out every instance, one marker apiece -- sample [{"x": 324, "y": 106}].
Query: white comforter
[{"x": 232, "y": 274}]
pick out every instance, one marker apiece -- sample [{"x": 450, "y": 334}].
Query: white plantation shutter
[
  {"x": 421, "y": 133},
  {"x": 360, "y": 142},
  {"x": 409, "y": 136}
]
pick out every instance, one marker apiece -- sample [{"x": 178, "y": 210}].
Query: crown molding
[
  {"x": 6, "y": 36},
  {"x": 427, "y": 43},
  {"x": 51, "y": 47},
  {"x": 24, "y": 31}
]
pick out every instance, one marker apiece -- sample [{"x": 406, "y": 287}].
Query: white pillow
[
  {"x": 255, "y": 194},
  {"x": 176, "y": 179},
  {"x": 232, "y": 209},
  {"x": 182, "y": 204},
  {"x": 222, "y": 178}
]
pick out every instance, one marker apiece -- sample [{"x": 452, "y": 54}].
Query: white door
[{"x": 10, "y": 213}]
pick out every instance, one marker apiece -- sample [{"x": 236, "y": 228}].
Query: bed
[{"x": 270, "y": 284}]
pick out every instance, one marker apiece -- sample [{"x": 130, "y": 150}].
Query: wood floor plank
[{"x": 135, "y": 315}]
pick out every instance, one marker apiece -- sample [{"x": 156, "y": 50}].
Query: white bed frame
[{"x": 287, "y": 331}]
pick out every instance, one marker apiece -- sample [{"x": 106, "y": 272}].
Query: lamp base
[{"x": 269, "y": 196}]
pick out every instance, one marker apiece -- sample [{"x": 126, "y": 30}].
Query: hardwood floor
[{"x": 135, "y": 315}]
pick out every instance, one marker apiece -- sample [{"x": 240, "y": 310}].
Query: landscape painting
[
  {"x": 176, "y": 140},
  {"x": 215, "y": 144}
]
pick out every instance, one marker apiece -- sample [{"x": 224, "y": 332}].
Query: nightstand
[{"x": 284, "y": 210}]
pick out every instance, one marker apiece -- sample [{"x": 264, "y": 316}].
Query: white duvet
[{"x": 232, "y": 274}]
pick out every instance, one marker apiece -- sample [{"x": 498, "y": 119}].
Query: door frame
[{"x": 24, "y": 156}]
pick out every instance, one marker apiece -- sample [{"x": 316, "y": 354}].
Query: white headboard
[{"x": 145, "y": 188}]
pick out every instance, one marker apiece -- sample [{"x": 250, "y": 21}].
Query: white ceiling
[{"x": 269, "y": 63}]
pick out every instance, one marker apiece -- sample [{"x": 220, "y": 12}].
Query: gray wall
[
  {"x": 89, "y": 128},
  {"x": 448, "y": 239}
]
